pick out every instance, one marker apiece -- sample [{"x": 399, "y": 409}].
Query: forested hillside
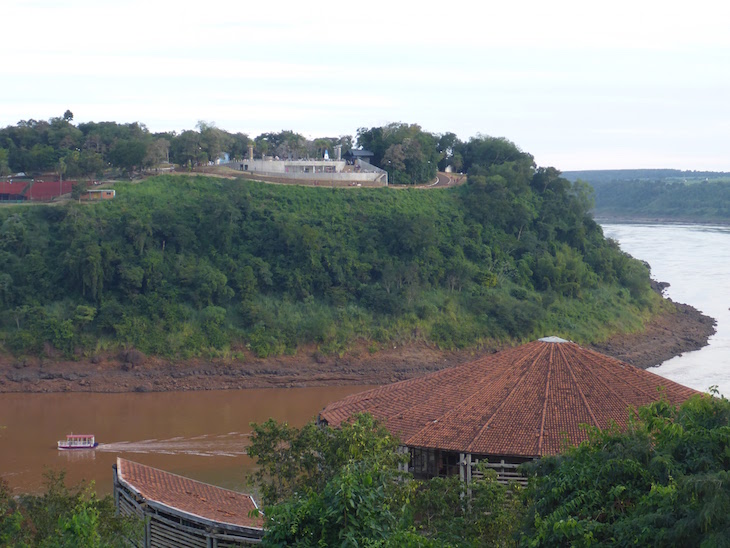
[
  {"x": 663, "y": 194},
  {"x": 183, "y": 266}
]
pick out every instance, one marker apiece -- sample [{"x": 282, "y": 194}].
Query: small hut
[
  {"x": 182, "y": 512},
  {"x": 507, "y": 408}
]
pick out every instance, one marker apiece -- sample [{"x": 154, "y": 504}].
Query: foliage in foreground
[
  {"x": 63, "y": 517},
  {"x": 327, "y": 487},
  {"x": 665, "y": 481}
]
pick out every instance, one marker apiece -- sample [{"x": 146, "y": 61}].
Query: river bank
[
  {"x": 607, "y": 218},
  {"x": 667, "y": 336}
]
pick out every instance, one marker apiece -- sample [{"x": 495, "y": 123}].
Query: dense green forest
[
  {"x": 184, "y": 266},
  {"x": 664, "y": 194}
]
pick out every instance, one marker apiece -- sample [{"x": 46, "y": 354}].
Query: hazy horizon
[{"x": 579, "y": 86}]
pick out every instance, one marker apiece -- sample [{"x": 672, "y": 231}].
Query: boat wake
[{"x": 232, "y": 444}]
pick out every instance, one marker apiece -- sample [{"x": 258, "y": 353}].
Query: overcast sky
[{"x": 580, "y": 85}]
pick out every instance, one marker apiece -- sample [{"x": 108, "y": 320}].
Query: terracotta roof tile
[
  {"x": 523, "y": 401},
  {"x": 189, "y": 496}
]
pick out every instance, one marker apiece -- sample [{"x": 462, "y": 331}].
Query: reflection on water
[
  {"x": 77, "y": 455},
  {"x": 202, "y": 435},
  {"x": 695, "y": 260}
]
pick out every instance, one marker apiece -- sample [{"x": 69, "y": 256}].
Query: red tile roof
[
  {"x": 45, "y": 190},
  {"x": 13, "y": 189},
  {"x": 523, "y": 401},
  {"x": 189, "y": 496}
]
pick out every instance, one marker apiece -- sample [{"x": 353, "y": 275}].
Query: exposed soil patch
[{"x": 667, "y": 336}]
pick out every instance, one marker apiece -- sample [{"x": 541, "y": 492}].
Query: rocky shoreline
[
  {"x": 668, "y": 335},
  {"x": 607, "y": 218}
]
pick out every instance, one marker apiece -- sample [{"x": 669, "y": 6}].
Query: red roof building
[
  {"x": 184, "y": 512},
  {"x": 48, "y": 190},
  {"x": 13, "y": 191},
  {"x": 516, "y": 405}
]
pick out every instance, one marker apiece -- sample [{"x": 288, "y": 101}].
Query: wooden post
[
  {"x": 468, "y": 475},
  {"x": 116, "y": 491},
  {"x": 403, "y": 466}
]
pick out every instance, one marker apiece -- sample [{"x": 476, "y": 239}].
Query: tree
[
  {"x": 325, "y": 487},
  {"x": 239, "y": 145},
  {"x": 262, "y": 145},
  {"x": 291, "y": 460},
  {"x": 158, "y": 152},
  {"x": 484, "y": 513},
  {"x": 447, "y": 146},
  {"x": 91, "y": 163},
  {"x": 4, "y": 165},
  {"x": 363, "y": 504},
  {"x": 80, "y": 528},
  {"x": 661, "y": 482},
  {"x": 330, "y": 487},
  {"x": 486, "y": 151},
  {"x": 213, "y": 141},
  {"x": 61, "y": 168},
  {"x": 128, "y": 154},
  {"x": 74, "y": 517},
  {"x": 186, "y": 148},
  {"x": 12, "y": 532},
  {"x": 78, "y": 190},
  {"x": 320, "y": 146},
  {"x": 394, "y": 161},
  {"x": 40, "y": 158},
  {"x": 284, "y": 144},
  {"x": 62, "y": 135},
  {"x": 416, "y": 155}
]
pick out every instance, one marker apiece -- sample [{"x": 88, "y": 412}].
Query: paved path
[{"x": 447, "y": 180}]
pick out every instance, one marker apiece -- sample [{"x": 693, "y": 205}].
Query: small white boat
[{"x": 78, "y": 441}]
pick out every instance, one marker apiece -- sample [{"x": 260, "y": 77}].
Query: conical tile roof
[{"x": 524, "y": 401}]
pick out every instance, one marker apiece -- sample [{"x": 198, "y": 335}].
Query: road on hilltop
[{"x": 444, "y": 179}]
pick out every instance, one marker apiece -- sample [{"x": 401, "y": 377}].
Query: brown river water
[{"x": 201, "y": 435}]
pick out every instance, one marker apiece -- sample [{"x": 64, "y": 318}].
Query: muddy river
[
  {"x": 695, "y": 261},
  {"x": 202, "y": 435}
]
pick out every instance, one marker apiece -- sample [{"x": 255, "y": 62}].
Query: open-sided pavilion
[{"x": 507, "y": 408}]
